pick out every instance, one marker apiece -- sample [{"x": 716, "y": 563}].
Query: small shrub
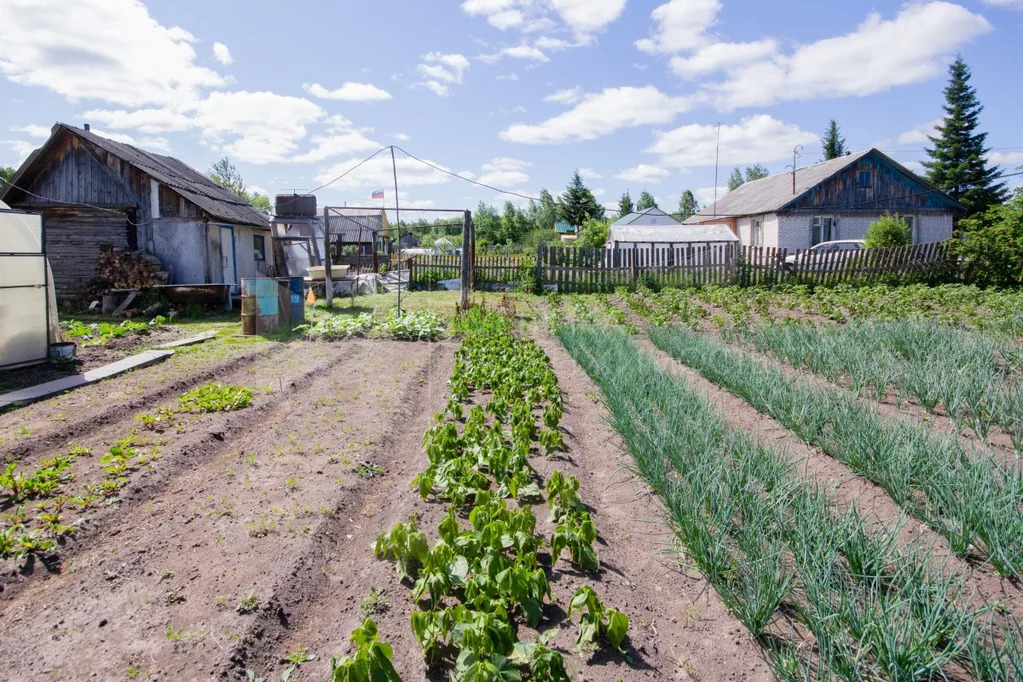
[{"x": 888, "y": 230}]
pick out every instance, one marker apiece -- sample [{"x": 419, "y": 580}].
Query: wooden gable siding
[
  {"x": 890, "y": 190},
  {"x": 73, "y": 173}
]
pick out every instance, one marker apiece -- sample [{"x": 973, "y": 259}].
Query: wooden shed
[{"x": 96, "y": 193}]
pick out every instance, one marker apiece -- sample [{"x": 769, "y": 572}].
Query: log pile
[{"x": 127, "y": 270}]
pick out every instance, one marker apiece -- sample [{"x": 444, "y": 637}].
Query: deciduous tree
[
  {"x": 687, "y": 205},
  {"x": 646, "y": 200}
]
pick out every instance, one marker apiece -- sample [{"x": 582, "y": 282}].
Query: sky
[{"x": 515, "y": 94}]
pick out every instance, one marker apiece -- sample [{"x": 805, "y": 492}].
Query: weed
[
  {"x": 373, "y": 603},
  {"x": 248, "y": 603},
  {"x": 212, "y": 397}
]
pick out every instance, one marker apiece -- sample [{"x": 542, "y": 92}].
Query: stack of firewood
[{"x": 128, "y": 270}]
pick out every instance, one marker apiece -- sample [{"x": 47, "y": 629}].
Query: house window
[
  {"x": 822, "y": 229},
  {"x": 910, "y": 220},
  {"x": 757, "y": 236},
  {"x": 259, "y": 247},
  {"x": 864, "y": 179}
]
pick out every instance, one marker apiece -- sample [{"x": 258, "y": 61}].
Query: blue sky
[{"x": 514, "y": 93}]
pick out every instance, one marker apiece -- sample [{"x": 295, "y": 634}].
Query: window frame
[
  {"x": 864, "y": 172},
  {"x": 259, "y": 252},
  {"x": 914, "y": 227},
  {"x": 756, "y": 232},
  {"x": 818, "y": 222}
]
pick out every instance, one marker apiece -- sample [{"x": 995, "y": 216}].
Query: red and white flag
[{"x": 379, "y": 194}]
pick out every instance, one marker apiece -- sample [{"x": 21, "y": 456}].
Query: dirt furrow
[
  {"x": 169, "y": 591},
  {"x": 81, "y": 413}
]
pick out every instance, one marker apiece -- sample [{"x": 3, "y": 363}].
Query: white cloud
[
  {"x": 1012, "y": 4},
  {"x": 110, "y": 50},
  {"x": 1005, "y": 158},
  {"x": 880, "y": 54},
  {"x": 599, "y": 114},
  {"x": 32, "y": 130},
  {"x": 759, "y": 138},
  {"x": 258, "y": 189},
  {"x": 507, "y": 77},
  {"x": 349, "y": 91},
  {"x": 705, "y": 195},
  {"x": 918, "y": 135},
  {"x": 441, "y": 71},
  {"x": 503, "y": 172},
  {"x": 150, "y": 144},
  {"x": 644, "y": 172},
  {"x": 21, "y": 149},
  {"x": 222, "y": 54},
  {"x": 143, "y": 120},
  {"x": 712, "y": 58},
  {"x": 401, "y": 137},
  {"x": 681, "y": 26},
  {"x": 376, "y": 173},
  {"x": 587, "y": 16},
  {"x": 336, "y": 143},
  {"x": 258, "y": 127},
  {"x": 590, "y": 174},
  {"x": 566, "y": 96},
  {"x": 525, "y": 52},
  {"x": 505, "y": 19}
]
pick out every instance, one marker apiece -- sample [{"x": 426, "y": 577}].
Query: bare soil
[
  {"x": 89, "y": 357},
  {"x": 266, "y": 505}
]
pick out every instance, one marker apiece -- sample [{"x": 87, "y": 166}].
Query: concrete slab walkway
[
  {"x": 198, "y": 338},
  {"x": 40, "y": 391}
]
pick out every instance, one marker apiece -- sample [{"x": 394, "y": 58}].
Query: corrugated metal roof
[
  {"x": 679, "y": 234},
  {"x": 773, "y": 192},
  {"x": 219, "y": 202},
  {"x": 637, "y": 216},
  {"x": 356, "y": 228}
]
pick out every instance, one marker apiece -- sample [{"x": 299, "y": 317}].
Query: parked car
[{"x": 815, "y": 258}]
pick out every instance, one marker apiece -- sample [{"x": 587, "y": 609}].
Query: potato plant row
[
  {"x": 50, "y": 488},
  {"x": 778, "y": 552},
  {"x": 972, "y": 500},
  {"x": 478, "y": 580},
  {"x": 976, "y": 379}
]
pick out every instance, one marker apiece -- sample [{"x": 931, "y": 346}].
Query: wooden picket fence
[
  {"x": 587, "y": 270},
  {"x": 427, "y": 270}
]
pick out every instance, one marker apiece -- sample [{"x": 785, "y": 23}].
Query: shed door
[{"x": 227, "y": 255}]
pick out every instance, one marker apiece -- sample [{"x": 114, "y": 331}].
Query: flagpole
[{"x": 397, "y": 223}]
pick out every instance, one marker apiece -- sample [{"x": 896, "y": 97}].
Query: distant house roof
[
  {"x": 357, "y": 226},
  {"x": 775, "y": 192},
  {"x": 670, "y": 234},
  {"x": 649, "y": 216},
  {"x": 563, "y": 227},
  {"x": 218, "y": 202}
]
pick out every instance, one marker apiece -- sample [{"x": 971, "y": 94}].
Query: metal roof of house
[
  {"x": 357, "y": 228},
  {"x": 638, "y": 216},
  {"x": 667, "y": 234},
  {"x": 218, "y": 202}
]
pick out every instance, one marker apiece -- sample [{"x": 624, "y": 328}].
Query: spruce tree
[
  {"x": 625, "y": 205},
  {"x": 646, "y": 200},
  {"x": 687, "y": 205},
  {"x": 578, "y": 203},
  {"x": 959, "y": 164},
  {"x": 832, "y": 143},
  {"x": 735, "y": 179}
]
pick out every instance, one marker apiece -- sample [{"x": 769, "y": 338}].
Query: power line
[{"x": 460, "y": 177}]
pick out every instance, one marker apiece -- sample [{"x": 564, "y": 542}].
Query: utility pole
[
  {"x": 717, "y": 156},
  {"x": 397, "y": 222},
  {"x": 327, "y": 282},
  {"x": 795, "y": 150},
  {"x": 467, "y": 261}
]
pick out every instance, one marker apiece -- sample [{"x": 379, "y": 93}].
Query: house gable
[
  {"x": 67, "y": 170},
  {"x": 873, "y": 183}
]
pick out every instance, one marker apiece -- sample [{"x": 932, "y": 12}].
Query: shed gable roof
[{"x": 218, "y": 202}]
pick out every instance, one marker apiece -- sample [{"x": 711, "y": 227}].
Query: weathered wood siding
[
  {"x": 889, "y": 189},
  {"x": 75, "y": 237}
]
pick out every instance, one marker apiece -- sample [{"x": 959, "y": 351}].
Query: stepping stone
[{"x": 40, "y": 391}]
